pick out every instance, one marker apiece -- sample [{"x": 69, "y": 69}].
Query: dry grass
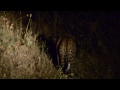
[{"x": 20, "y": 56}]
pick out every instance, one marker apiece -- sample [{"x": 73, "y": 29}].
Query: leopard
[{"x": 66, "y": 51}]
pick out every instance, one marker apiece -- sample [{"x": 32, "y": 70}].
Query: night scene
[{"x": 59, "y": 45}]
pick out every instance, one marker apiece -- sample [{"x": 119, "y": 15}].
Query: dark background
[
  {"x": 81, "y": 23},
  {"x": 96, "y": 33}
]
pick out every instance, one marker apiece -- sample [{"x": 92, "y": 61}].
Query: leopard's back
[{"x": 66, "y": 49}]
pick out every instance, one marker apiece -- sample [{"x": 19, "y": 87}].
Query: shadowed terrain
[{"x": 28, "y": 50}]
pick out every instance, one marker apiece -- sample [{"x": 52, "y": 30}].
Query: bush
[{"x": 20, "y": 56}]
